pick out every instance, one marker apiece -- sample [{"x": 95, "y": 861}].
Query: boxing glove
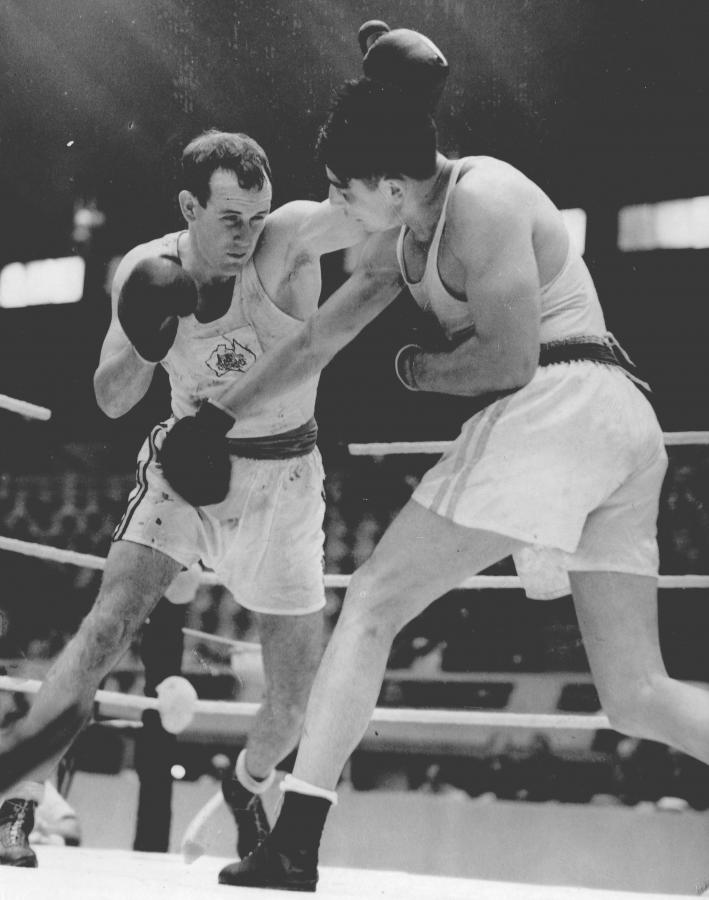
[
  {"x": 195, "y": 456},
  {"x": 369, "y": 32},
  {"x": 404, "y": 58},
  {"x": 154, "y": 296}
]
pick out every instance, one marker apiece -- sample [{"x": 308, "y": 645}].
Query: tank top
[
  {"x": 206, "y": 357},
  {"x": 569, "y": 302}
]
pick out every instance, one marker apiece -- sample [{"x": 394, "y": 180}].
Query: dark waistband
[
  {"x": 286, "y": 445},
  {"x": 576, "y": 350},
  {"x": 604, "y": 350}
]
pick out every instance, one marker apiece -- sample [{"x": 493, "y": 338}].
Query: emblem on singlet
[{"x": 230, "y": 357}]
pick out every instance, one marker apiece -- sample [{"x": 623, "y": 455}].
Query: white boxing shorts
[
  {"x": 571, "y": 465},
  {"x": 264, "y": 541}
]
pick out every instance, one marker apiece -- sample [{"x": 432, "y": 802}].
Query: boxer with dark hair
[
  {"x": 204, "y": 303},
  {"x": 562, "y": 468},
  {"x": 244, "y": 498}
]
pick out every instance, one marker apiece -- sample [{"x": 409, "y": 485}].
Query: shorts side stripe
[
  {"x": 460, "y": 455},
  {"x": 480, "y": 447},
  {"x": 141, "y": 485}
]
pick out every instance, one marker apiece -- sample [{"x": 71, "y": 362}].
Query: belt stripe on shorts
[
  {"x": 479, "y": 436},
  {"x": 589, "y": 348},
  {"x": 141, "y": 485}
]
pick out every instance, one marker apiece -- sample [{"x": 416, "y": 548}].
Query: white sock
[
  {"x": 26, "y": 790},
  {"x": 255, "y": 785},
  {"x": 298, "y": 786}
]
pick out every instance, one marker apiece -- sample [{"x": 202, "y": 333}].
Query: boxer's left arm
[
  {"x": 373, "y": 285},
  {"x": 297, "y": 235},
  {"x": 315, "y": 229},
  {"x": 492, "y": 242}
]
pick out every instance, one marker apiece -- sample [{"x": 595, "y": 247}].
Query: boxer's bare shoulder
[{"x": 296, "y": 236}]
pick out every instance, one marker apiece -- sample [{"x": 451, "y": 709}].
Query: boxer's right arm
[{"x": 148, "y": 296}]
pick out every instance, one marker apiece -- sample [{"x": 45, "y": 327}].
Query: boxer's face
[
  {"x": 370, "y": 204},
  {"x": 227, "y": 228}
]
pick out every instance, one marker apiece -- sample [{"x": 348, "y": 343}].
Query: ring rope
[
  {"x": 90, "y": 561},
  {"x": 125, "y": 704},
  {"x": 239, "y": 646},
  {"x": 672, "y": 439},
  {"x": 437, "y": 725},
  {"x": 23, "y": 408}
]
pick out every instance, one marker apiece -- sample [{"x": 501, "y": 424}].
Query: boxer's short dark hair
[
  {"x": 234, "y": 152},
  {"x": 376, "y": 130}
]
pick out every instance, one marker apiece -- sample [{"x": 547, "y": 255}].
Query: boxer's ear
[{"x": 393, "y": 189}]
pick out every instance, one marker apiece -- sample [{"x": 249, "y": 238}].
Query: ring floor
[
  {"x": 472, "y": 844},
  {"x": 83, "y": 874}
]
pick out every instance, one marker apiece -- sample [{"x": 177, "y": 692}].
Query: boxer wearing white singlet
[
  {"x": 265, "y": 540},
  {"x": 564, "y": 465},
  {"x": 205, "y": 303},
  {"x": 489, "y": 479}
]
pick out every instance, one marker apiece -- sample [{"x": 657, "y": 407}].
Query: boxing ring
[
  {"x": 80, "y": 873},
  {"x": 76, "y": 874}
]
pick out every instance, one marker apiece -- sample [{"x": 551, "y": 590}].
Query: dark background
[{"x": 602, "y": 103}]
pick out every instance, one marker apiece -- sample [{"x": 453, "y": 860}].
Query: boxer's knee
[
  {"x": 129, "y": 593},
  {"x": 371, "y": 608},
  {"x": 631, "y": 706}
]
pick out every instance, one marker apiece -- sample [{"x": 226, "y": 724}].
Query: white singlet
[
  {"x": 571, "y": 464},
  {"x": 205, "y": 357}
]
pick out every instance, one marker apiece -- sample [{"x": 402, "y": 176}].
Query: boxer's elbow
[
  {"x": 522, "y": 372},
  {"x": 108, "y": 401},
  {"x": 121, "y": 380},
  {"x": 515, "y": 362},
  {"x": 496, "y": 368},
  {"x": 112, "y": 411},
  {"x": 113, "y": 397}
]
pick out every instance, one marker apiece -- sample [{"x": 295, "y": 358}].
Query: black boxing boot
[
  {"x": 16, "y": 824},
  {"x": 288, "y": 858}
]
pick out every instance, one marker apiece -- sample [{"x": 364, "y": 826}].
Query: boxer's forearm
[
  {"x": 121, "y": 381},
  {"x": 474, "y": 368},
  {"x": 287, "y": 365},
  {"x": 307, "y": 351}
]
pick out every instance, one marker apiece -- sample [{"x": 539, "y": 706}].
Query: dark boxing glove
[
  {"x": 195, "y": 456},
  {"x": 153, "y": 297},
  {"x": 404, "y": 58},
  {"x": 370, "y": 32}
]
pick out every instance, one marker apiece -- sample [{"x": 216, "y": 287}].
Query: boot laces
[{"x": 20, "y": 810}]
